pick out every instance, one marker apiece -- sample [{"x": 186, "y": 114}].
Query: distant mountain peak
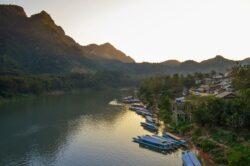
[
  {"x": 43, "y": 16},
  {"x": 107, "y": 44},
  {"x": 219, "y": 57},
  {"x": 190, "y": 62},
  {"x": 108, "y": 51},
  {"x": 172, "y": 62}
]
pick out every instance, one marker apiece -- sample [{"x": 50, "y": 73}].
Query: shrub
[{"x": 239, "y": 155}]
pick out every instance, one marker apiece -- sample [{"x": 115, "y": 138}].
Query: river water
[{"x": 75, "y": 129}]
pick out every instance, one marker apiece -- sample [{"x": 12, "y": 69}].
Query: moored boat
[
  {"x": 150, "y": 119},
  {"x": 172, "y": 142},
  {"x": 138, "y": 105},
  {"x": 134, "y": 108},
  {"x": 154, "y": 143},
  {"x": 130, "y": 99},
  {"x": 144, "y": 112},
  {"x": 190, "y": 159},
  {"x": 149, "y": 126},
  {"x": 180, "y": 141}
]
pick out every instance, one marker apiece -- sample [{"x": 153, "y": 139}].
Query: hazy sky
[{"x": 154, "y": 30}]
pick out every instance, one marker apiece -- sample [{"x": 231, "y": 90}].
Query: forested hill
[{"x": 36, "y": 45}]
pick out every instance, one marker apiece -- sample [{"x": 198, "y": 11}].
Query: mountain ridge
[
  {"x": 108, "y": 51},
  {"x": 36, "y": 44}
]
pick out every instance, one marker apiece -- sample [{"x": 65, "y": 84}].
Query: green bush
[
  {"x": 218, "y": 155},
  {"x": 225, "y": 137},
  {"x": 239, "y": 155},
  {"x": 207, "y": 145}
]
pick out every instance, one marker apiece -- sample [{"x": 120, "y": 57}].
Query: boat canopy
[
  {"x": 186, "y": 160},
  {"x": 154, "y": 140}
]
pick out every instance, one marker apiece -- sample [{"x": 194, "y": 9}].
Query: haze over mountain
[{"x": 36, "y": 44}]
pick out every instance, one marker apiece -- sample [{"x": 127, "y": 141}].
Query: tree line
[{"x": 11, "y": 85}]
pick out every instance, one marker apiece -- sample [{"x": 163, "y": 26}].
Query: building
[
  {"x": 226, "y": 95},
  {"x": 180, "y": 116},
  {"x": 180, "y": 100}
]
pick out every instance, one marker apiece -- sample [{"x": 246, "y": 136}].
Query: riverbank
[
  {"x": 218, "y": 125},
  {"x": 204, "y": 157},
  {"x": 215, "y": 146}
]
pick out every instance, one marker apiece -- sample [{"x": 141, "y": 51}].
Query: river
[{"x": 75, "y": 129}]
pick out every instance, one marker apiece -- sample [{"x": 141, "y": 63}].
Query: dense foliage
[
  {"x": 11, "y": 85},
  {"x": 218, "y": 126},
  {"x": 234, "y": 113},
  {"x": 241, "y": 77},
  {"x": 154, "y": 89}
]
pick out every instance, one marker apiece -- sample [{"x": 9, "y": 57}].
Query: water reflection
[{"x": 74, "y": 129}]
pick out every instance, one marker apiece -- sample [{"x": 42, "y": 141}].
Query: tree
[{"x": 165, "y": 109}]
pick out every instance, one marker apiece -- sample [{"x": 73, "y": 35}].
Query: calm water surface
[{"x": 74, "y": 129}]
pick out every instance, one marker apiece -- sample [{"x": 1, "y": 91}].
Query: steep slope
[{"x": 37, "y": 45}]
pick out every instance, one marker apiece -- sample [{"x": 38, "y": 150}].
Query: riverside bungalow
[
  {"x": 180, "y": 116},
  {"x": 180, "y": 100}
]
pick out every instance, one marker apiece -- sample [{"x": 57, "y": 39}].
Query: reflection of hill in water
[{"x": 42, "y": 127}]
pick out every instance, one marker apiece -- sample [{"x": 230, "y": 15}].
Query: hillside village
[
  {"x": 219, "y": 86},
  {"x": 210, "y": 110}
]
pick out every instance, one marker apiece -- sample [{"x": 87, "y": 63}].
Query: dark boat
[
  {"x": 149, "y": 126},
  {"x": 144, "y": 112},
  {"x": 130, "y": 100},
  {"x": 180, "y": 141}
]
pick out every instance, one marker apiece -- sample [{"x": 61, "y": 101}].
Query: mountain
[
  {"x": 172, "y": 63},
  {"x": 36, "y": 44},
  {"x": 218, "y": 63},
  {"x": 245, "y": 61},
  {"x": 107, "y": 51}
]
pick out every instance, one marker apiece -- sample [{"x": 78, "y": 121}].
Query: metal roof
[{"x": 153, "y": 140}]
